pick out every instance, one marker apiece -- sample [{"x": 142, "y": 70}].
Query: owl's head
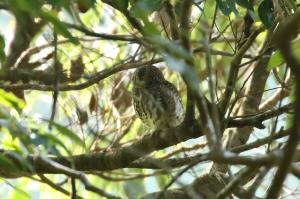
[{"x": 147, "y": 76}]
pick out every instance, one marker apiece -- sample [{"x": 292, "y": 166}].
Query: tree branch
[
  {"x": 283, "y": 36},
  {"x": 256, "y": 120},
  {"x": 91, "y": 81},
  {"x": 234, "y": 68}
]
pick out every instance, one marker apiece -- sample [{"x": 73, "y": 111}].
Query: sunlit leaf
[
  {"x": 278, "y": 59},
  {"x": 11, "y": 101},
  {"x": 162, "y": 180},
  {"x": 296, "y": 47},
  {"x": 275, "y": 60},
  {"x": 209, "y": 9},
  {"x": 16, "y": 130}
]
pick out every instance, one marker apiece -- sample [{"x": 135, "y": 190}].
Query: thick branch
[
  {"x": 93, "y": 80},
  {"x": 151, "y": 163},
  {"x": 121, "y": 158}
]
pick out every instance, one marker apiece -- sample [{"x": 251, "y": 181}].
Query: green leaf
[
  {"x": 245, "y": 3},
  {"x": 265, "y": 12},
  {"x": 175, "y": 55},
  {"x": 145, "y": 7},
  {"x": 296, "y": 47},
  {"x": 2, "y": 47},
  {"x": 227, "y": 6},
  {"x": 162, "y": 180},
  {"x": 120, "y": 5},
  {"x": 142, "y": 9},
  {"x": 275, "y": 60},
  {"x": 59, "y": 27},
  {"x": 180, "y": 66},
  {"x": 150, "y": 28},
  {"x": 16, "y": 130},
  {"x": 22, "y": 161},
  {"x": 31, "y": 6},
  {"x": 68, "y": 133},
  {"x": 172, "y": 48},
  {"x": 60, "y": 3},
  {"x": 7, "y": 164},
  {"x": 11, "y": 101}
]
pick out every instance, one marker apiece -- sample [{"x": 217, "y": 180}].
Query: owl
[{"x": 156, "y": 101}]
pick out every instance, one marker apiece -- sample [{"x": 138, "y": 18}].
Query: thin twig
[
  {"x": 256, "y": 120},
  {"x": 228, "y": 189},
  {"x": 47, "y": 181},
  {"x": 234, "y": 67}
]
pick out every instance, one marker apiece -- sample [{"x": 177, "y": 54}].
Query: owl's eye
[{"x": 141, "y": 74}]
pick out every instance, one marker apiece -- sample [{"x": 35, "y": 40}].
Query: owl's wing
[{"x": 168, "y": 96}]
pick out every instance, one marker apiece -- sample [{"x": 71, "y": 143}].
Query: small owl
[{"x": 156, "y": 101}]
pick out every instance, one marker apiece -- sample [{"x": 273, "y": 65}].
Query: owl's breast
[
  {"x": 147, "y": 107},
  {"x": 158, "y": 107}
]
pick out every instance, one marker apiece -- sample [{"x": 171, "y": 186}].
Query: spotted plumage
[{"x": 156, "y": 101}]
